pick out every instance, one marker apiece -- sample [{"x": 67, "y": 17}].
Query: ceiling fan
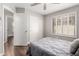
[{"x": 44, "y": 5}]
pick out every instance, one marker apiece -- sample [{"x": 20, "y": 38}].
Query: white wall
[
  {"x": 1, "y": 32},
  {"x": 36, "y": 26}
]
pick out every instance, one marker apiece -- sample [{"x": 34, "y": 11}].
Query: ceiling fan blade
[
  {"x": 44, "y": 8},
  {"x": 34, "y": 4}
]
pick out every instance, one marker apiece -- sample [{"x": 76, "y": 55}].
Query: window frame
[{"x": 67, "y": 15}]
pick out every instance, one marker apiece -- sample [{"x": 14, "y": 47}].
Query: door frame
[{"x": 9, "y": 9}]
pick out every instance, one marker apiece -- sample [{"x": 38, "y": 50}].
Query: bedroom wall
[
  {"x": 1, "y": 31},
  {"x": 48, "y": 23},
  {"x": 36, "y": 26}
]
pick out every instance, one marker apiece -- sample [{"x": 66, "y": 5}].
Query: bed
[{"x": 50, "y": 47}]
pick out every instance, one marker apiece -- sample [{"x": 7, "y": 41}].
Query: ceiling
[
  {"x": 51, "y": 7},
  {"x": 39, "y": 8}
]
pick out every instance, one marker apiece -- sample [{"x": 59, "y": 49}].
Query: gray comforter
[{"x": 50, "y": 47}]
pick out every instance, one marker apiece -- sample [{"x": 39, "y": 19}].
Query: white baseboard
[{"x": 22, "y": 44}]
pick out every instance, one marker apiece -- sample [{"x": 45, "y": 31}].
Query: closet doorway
[{"x": 8, "y": 32}]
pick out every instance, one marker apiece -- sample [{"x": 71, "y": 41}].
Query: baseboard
[{"x": 22, "y": 45}]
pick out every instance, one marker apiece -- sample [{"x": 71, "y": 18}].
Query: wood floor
[{"x": 11, "y": 50}]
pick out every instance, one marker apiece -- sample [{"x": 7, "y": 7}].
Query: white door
[{"x": 20, "y": 30}]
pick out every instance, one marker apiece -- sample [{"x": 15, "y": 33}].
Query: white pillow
[{"x": 74, "y": 46}]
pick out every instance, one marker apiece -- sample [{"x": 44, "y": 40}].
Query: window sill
[{"x": 71, "y": 36}]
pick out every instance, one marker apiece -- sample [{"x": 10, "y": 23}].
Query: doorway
[{"x": 8, "y": 32}]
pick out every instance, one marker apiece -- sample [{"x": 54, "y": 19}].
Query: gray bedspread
[{"x": 50, "y": 47}]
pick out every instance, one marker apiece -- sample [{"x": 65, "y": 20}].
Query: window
[{"x": 65, "y": 24}]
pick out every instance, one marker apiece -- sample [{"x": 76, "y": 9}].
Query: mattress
[{"x": 50, "y": 47}]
